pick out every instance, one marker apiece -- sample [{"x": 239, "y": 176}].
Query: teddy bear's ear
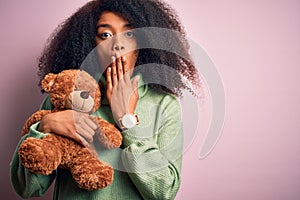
[{"x": 48, "y": 82}]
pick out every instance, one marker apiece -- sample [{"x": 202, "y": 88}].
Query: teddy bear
[{"x": 70, "y": 89}]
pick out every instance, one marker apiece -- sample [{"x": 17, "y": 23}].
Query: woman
[{"x": 149, "y": 163}]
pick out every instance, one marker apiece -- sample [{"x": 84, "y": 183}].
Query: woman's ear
[{"x": 48, "y": 82}]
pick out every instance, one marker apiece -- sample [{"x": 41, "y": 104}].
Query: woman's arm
[
  {"x": 154, "y": 162},
  {"x": 25, "y": 183},
  {"x": 69, "y": 123},
  {"x": 72, "y": 124}
]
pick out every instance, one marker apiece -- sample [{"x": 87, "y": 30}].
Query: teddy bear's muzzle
[{"x": 80, "y": 101}]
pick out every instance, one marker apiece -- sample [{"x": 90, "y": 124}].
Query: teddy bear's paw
[
  {"x": 39, "y": 156},
  {"x": 94, "y": 175},
  {"x": 109, "y": 137}
]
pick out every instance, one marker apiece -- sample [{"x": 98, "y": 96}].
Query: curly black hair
[{"x": 74, "y": 39}]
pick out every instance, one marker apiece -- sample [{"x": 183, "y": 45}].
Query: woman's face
[{"x": 116, "y": 38}]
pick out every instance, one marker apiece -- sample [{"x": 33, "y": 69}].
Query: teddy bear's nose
[{"x": 84, "y": 94}]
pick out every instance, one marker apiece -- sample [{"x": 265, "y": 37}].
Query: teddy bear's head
[{"x": 73, "y": 89}]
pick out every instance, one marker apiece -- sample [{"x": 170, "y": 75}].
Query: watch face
[{"x": 128, "y": 121}]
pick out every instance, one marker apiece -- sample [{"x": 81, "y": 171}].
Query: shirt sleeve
[
  {"x": 154, "y": 163},
  {"x": 26, "y": 183}
]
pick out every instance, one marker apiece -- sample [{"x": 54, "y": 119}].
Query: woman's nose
[
  {"x": 118, "y": 47},
  {"x": 118, "y": 44}
]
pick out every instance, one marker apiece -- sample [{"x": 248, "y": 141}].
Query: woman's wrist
[{"x": 128, "y": 121}]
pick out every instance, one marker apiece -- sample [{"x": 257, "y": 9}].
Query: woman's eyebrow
[
  {"x": 103, "y": 25},
  {"x": 109, "y": 26},
  {"x": 128, "y": 25}
]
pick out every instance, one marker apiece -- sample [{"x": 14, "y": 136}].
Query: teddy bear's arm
[
  {"x": 109, "y": 135},
  {"x": 35, "y": 117}
]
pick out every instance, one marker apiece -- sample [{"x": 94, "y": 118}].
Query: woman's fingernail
[
  {"x": 113, "y": 58},
  {"x": 138, "y": 77},
  {"x": 123, "y": 58}
]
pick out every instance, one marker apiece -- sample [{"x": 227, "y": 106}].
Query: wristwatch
[{"x": 129, "y": 121}]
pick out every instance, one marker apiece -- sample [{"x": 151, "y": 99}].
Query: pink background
[{"x": 255, "y": 46}]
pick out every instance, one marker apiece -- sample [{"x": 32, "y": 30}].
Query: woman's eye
[
  {"x": 129, "y": 34},
  {"x": 105, "y": 35}
]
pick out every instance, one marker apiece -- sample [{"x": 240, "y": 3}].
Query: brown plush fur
[{"x": 44, "y": 155}]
